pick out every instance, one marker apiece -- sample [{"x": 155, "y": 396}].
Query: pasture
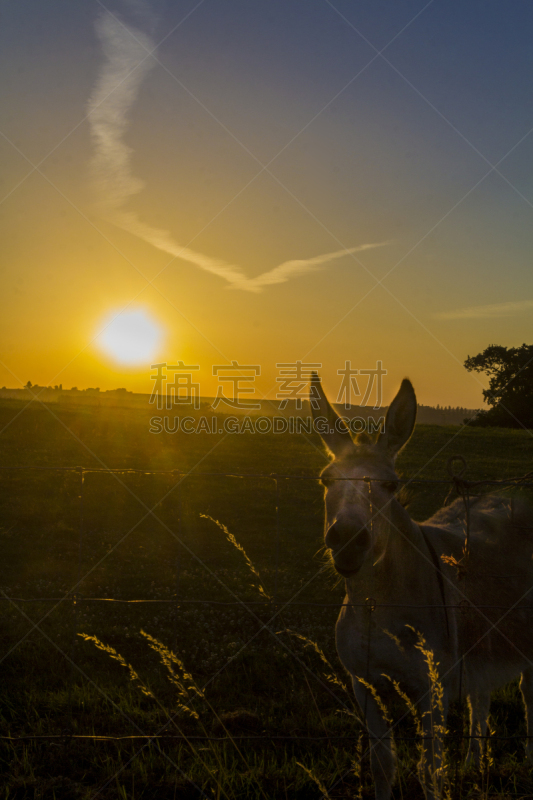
[{"x": 272, "y": 719}]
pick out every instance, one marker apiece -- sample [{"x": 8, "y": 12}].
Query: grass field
[{"x": 268, "y": 722}]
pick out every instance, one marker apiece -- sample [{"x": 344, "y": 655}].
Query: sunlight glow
[{"x": 131, "y": 337}]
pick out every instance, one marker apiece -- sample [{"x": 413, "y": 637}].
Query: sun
[{"x": 130, "y": 337}]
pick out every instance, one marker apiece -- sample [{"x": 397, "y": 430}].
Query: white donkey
[{"x": 475, "y": 612}]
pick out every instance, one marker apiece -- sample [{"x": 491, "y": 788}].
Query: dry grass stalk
[
  {"x": 185, "y": 684},
  {"x": 232, "y": 540},
  {"x": 332, "y": 677},
  {"x": 316, "y": 780},
  {"x": 106, "y": 648}
]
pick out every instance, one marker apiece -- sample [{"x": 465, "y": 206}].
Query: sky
[{"x": 265, "y": 183}]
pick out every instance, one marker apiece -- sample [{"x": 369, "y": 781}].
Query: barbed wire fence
[{"x": 458, "y": 486}]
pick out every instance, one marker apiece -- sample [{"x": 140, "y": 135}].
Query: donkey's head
[{"x": 361, "y": 480}]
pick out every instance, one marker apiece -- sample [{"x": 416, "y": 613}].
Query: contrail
[
  {"x": 125, "y": 66},
  {"x": 291, "y": 269}
]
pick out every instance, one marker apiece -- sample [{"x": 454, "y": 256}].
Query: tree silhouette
[{"x": 510, "y": 392}]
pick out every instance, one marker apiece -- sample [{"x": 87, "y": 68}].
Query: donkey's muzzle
[
  {"x": 348, "y": 545},
  {"x": 341, "y": 535}
]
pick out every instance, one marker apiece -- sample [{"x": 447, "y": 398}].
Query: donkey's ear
[
  {"x": 400, "y": 420},
  {"x": 328, "y": 424}
]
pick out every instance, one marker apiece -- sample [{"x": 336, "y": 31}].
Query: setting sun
[
  {"x": 266, "y": 270},
  {"x": 130, "y": 338}
]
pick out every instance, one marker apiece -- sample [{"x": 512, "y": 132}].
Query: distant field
[{"x": 140, "y": 536}]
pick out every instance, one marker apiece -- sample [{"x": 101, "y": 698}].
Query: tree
[{"x": 510, "y": 392}]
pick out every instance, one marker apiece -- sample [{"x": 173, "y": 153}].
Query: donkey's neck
[{"x": 400, "y": 567}]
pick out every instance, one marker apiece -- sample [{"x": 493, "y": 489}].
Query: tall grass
[
  {"x": 41, "y": 695},
  {"x": 233, "y": 541},
  {"x": 189, "y": 699}
]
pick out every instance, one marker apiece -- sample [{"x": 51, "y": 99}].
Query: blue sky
[{"x": 260, "y": 135}]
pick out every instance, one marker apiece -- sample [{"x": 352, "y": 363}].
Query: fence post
[
  {"x": 75, "y": 601},
  {"x": 462, "y": 489},
  {"x": 276, "y": 482},
  {"x": 177, "y": 474}
]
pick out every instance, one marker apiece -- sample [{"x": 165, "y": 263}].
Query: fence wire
[{"x": 457, "y": 484}]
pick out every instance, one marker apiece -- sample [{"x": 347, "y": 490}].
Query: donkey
[{"x": 406, "y": 580}]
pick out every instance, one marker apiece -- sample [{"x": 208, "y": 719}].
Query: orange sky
[{"x": 424, "y": 155}]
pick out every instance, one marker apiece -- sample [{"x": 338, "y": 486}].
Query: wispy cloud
[
  {"x": 125, "y": 66},
  {"x": 487, "y": 312},
  {"x": 291, "y": 269}
]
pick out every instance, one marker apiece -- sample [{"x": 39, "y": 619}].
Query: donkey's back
[
  {"x": 492, "y": 604},
  {"x": 490, "y": 574},
  {"x": 490, "y": 514}
]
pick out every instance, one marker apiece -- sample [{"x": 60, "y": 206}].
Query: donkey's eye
[{"x": 391, "y": 486}]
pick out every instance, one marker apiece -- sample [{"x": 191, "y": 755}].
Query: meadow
[{"x": 134, "y": 612}]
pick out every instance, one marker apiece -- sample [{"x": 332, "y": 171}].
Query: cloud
[
  {"x": 300, "y": 266},
  {"x": 487, "y": 312},
  {"x": 126, "y": 64}
]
